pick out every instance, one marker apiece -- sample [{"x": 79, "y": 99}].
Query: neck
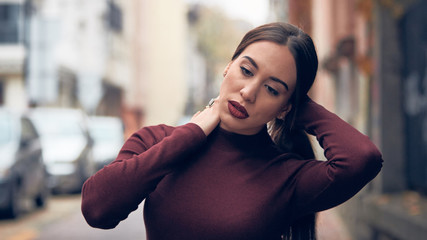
[{"x": 246, "y": 131}]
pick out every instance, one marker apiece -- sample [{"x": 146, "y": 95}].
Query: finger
[{"x": 196, "y": 114}]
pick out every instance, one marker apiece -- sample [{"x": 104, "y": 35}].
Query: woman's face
[{"x": 257, "y": 87}]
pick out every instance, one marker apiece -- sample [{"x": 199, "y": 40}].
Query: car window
[
  {"x": 28, "y": 131},
  {"x": 54, "y": 125},
  {"x": 106, "y": 131},
  {"x": 5, "y": 128}
]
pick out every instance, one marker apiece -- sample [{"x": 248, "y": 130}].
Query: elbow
[
  {"x": 377, "y": 161},
  {"x": 98, "y": 222},
  {"x": 95, "y": 218},
  {"x": 93, "y": 211},
  {"x": 363, "y": 163},
  {"x": 372, "y": 160}
]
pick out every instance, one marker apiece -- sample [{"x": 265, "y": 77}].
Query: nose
[{"x": 249, "y": 92}]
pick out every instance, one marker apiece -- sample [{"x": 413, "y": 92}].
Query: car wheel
[
  {"x": 43, "y": 195},
  {"x": 12, "y": 211},
  {"x": 41, "y": 198}
]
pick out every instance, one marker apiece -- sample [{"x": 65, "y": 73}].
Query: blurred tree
[{"x": 217, "y": 37}]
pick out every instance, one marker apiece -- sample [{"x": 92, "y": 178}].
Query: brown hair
[{"x": 286, "y": 136}]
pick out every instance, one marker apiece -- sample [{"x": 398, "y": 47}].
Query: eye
[
  {"x": 246, "y": 72},
  {"x": 271, "y": 90}
]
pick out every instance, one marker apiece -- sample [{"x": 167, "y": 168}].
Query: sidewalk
[{"x": 330, "y": 226}]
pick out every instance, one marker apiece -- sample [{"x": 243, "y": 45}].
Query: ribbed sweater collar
[{"x": 229, "y": 141}]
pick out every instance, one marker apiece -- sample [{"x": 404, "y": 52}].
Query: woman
[{"x": 226, "y": 175}]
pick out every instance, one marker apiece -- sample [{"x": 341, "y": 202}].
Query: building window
[
  {"x": 115, "y": 17},
  {"x": 9, "y": 23}
]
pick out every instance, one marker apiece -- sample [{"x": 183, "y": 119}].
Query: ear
[
  {"x": 226, "y": 69},
  {"x": 284, "y": 111}
]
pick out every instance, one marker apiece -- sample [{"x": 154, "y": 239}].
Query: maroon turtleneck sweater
[{"x": 228, "y": 186}]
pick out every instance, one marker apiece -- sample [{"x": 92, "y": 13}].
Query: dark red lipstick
[{"x": 237, "y": 110}]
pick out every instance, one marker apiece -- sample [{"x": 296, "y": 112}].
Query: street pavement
[
  {"x": 75, "y": 227},
  {"x": 330, "y": 226},
  {"x": 62, "y": 220}
]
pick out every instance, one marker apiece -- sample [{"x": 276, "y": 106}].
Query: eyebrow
[{"x": 272, "y": 78}]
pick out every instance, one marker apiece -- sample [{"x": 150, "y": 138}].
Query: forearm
[
  {"x": 343, "y": 145},
  {"x": 352, "y": 160},
  {"x": 117, "y": 189}
]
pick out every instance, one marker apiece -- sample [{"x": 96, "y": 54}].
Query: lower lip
[{"x": 236, "y": 113}]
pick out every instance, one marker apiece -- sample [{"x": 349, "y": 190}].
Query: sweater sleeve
[
  {"x": 111, "y": 194},
  {"x": 352, "y": 161}
]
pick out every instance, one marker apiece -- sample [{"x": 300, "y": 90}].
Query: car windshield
[
  {"x": 57, "y": 125},
  {"x": 5, "y": 129},
  {"x": 106, "y": 131}
]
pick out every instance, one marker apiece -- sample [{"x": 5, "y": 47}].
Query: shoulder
[
  {"x": 292, "y": 162},
  {"x": 160, "y": 130},
  {"x": 150, "y": 135},
  {"x": 156, "y": 133}
]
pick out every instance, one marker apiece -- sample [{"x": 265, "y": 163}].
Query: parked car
[
  {"x": 183, "y": 120},
  {"x": 23, "y": 177},
  {"x": 107, "y": 133},
  {"x": 67, "y": 147}
]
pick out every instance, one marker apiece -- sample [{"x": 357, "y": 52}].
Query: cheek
[
  {"x": 227, "y": 86},
  {"x": 224, "y": 94},
  {"x": 286, "y": 104},
  {"x": 275, "y": 108},
  {"x": 287, "y": 100}
]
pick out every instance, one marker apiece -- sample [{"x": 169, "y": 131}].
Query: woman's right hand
[{"x": 207, "y": 119}]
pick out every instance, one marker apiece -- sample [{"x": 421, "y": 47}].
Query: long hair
[{"x": 285, "y": 135}]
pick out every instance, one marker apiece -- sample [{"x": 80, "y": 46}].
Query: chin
[{"x": 229, "y": 125}]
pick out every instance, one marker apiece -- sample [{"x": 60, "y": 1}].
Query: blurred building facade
[
  {"x": 372, "y": 72},
  {"x": 161, "y": 30},
  {"x": 12, "y": 54},
  {"x": 109, "y": 57}
]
